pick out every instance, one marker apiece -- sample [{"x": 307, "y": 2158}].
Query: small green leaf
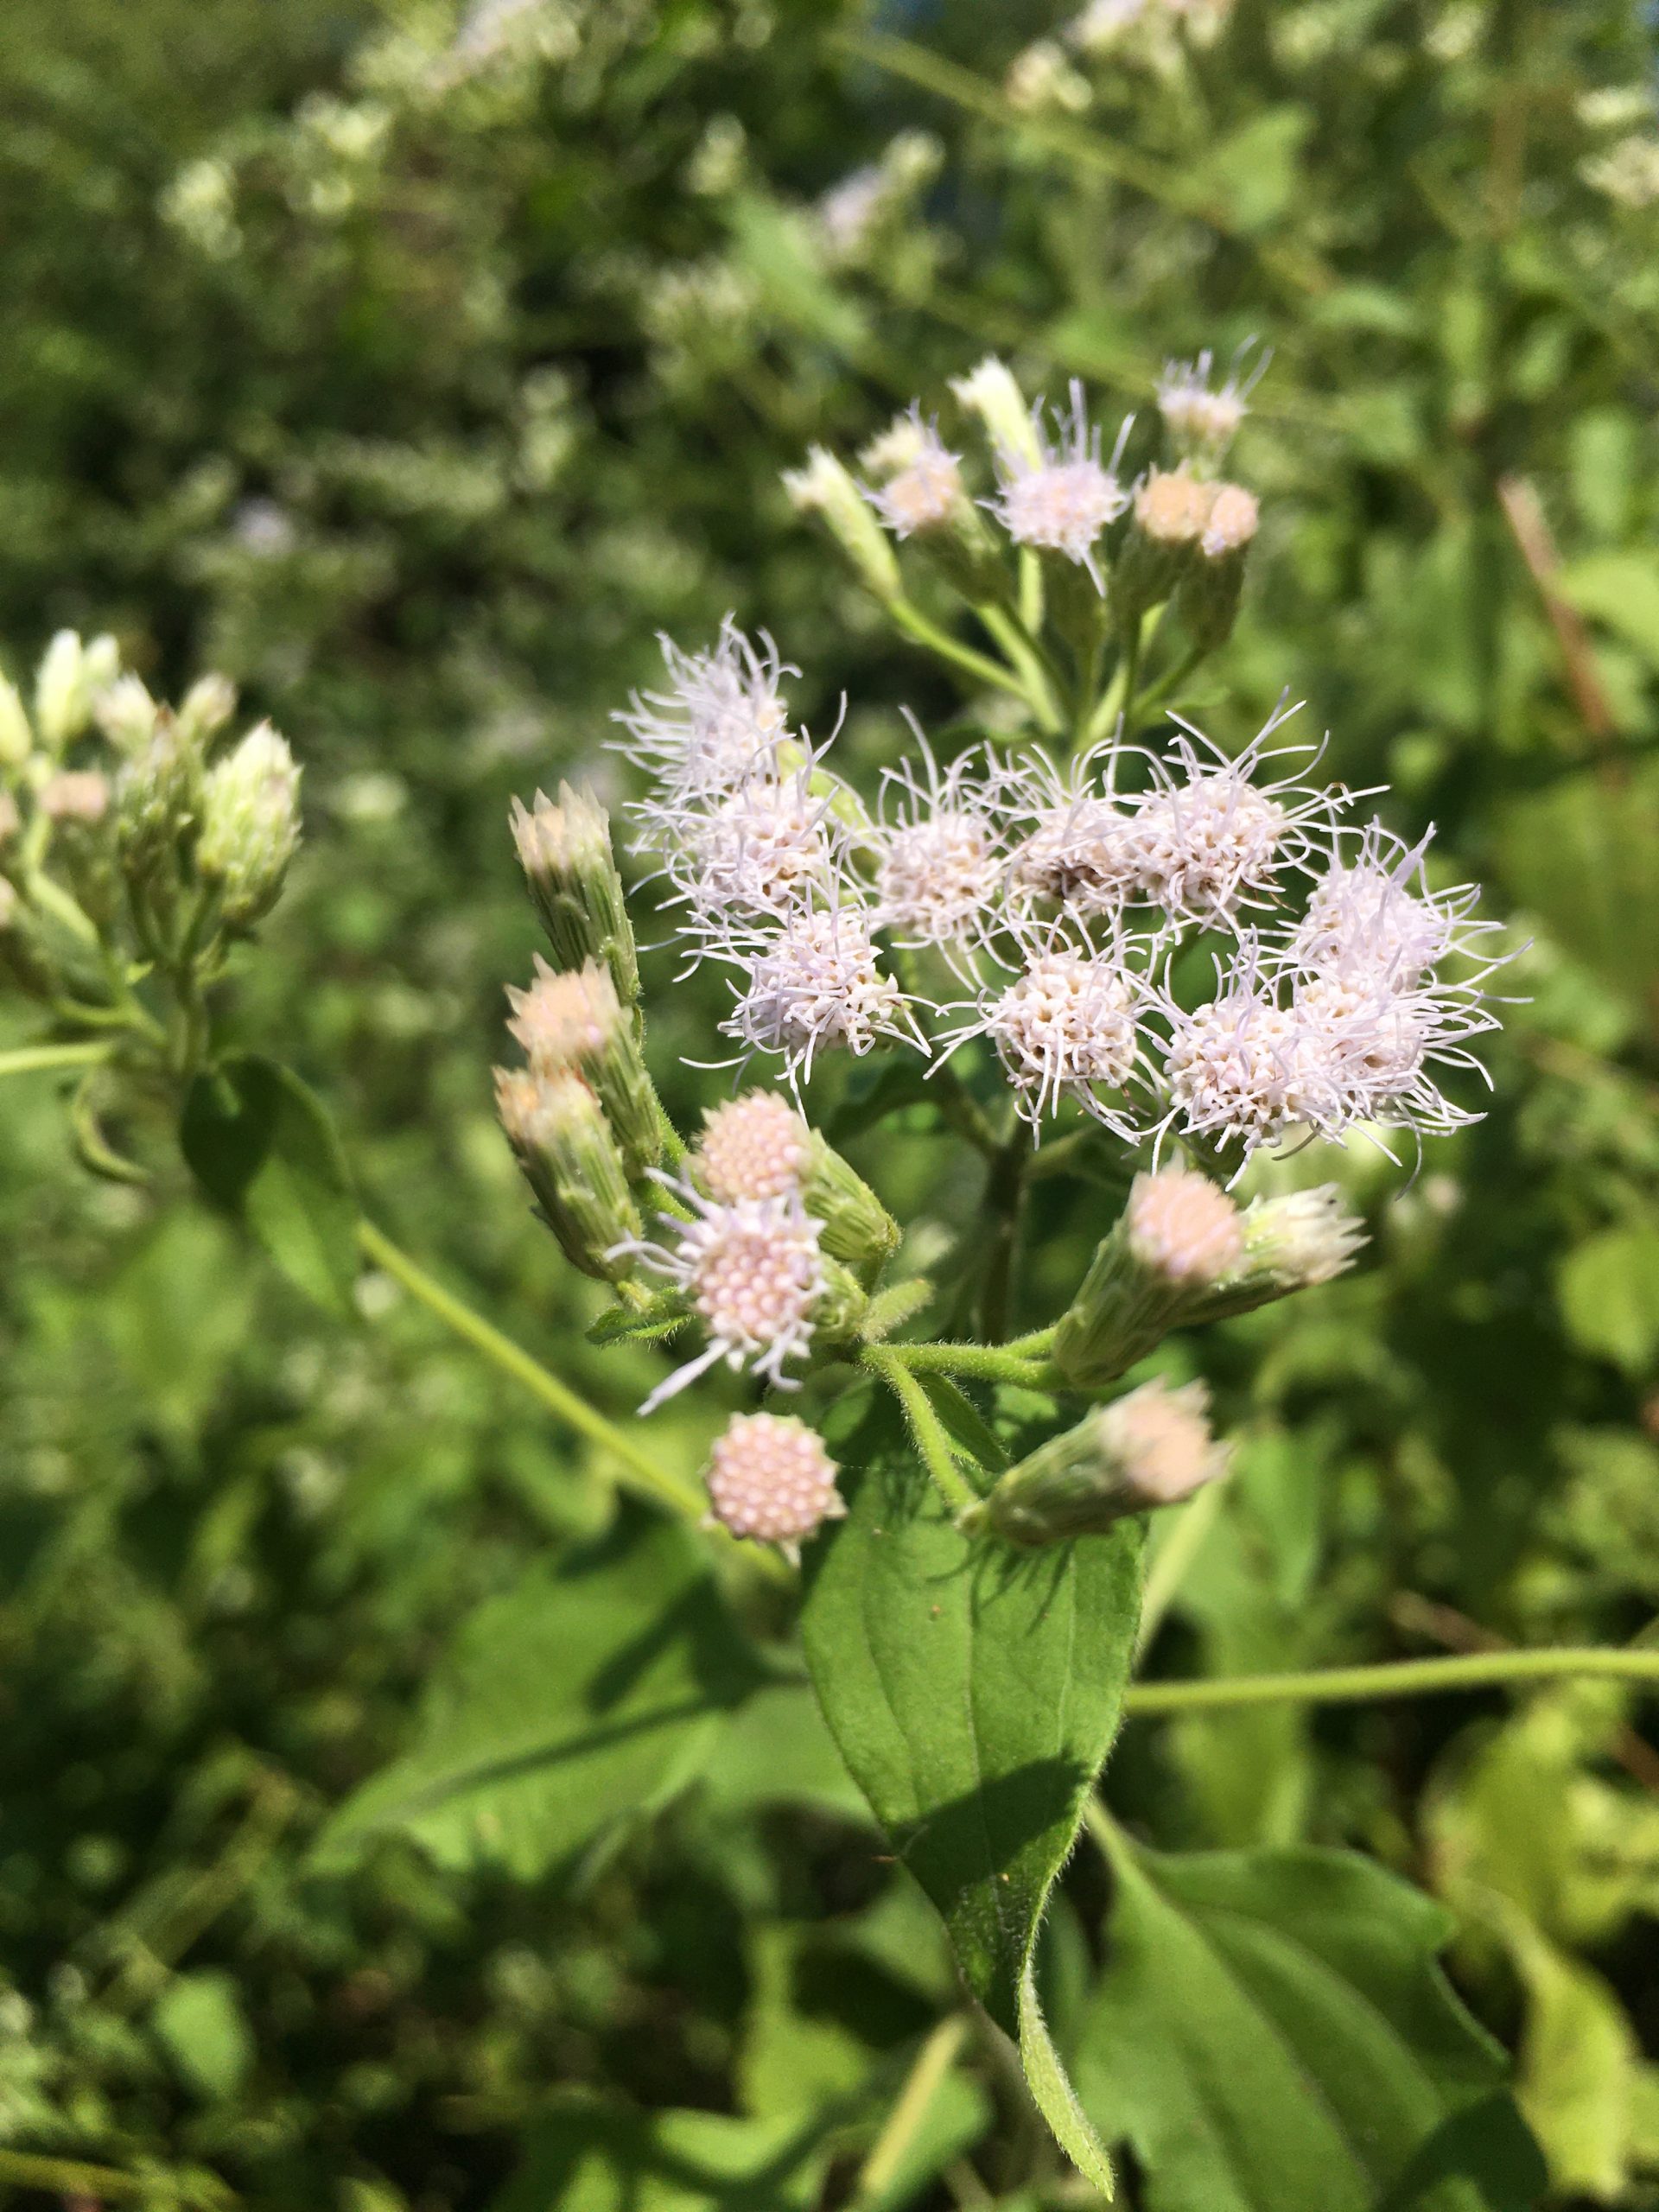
[
  {"x": 630, "y": 1324},
  {"x": 1609, "y": 1289},
  {"x": 974, "y": 1694},
  {"x": 1272, "y": 2034},
  {"x": 1621, "y": 591},
  {"x": 1581, "y": 856},
  {"x": 200, "y": 2024},
  {"x": 262, "y": 1147},
  {"x": 593, "y": 1690}
]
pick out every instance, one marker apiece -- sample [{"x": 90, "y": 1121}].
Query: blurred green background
[{"x": 417, "y": 366}]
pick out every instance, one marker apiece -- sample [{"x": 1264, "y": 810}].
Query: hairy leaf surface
[
  {"x": 1272, "y": 2034},
  {"x": 974, "y": 1692}
]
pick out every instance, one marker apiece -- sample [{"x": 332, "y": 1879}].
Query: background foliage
[{"x": 416, "y": 376}]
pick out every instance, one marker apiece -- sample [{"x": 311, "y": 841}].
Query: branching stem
[
  {"x": 37, "y": 1059},
  {"x": 926, "y": 1429}
]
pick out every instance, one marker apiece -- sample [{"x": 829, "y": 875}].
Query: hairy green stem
[
  {"x": 926, "y": 1429},
  {"x": 990, "y": 1363},
  {"x": 640, "y": 1470},
  {"x": 1470, "y": 1670},
  {"x": 891, "y": 2148},
  {"x": 36, "y": 1059}
]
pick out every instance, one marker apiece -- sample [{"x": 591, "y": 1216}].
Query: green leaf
[
  {"x": 1255, "y": 171},
  {"x": 1621, "y": 591},
  {"x": 1581, "y": 856},
  {"x": 1272, "y": 2034},
  {"x": 1608, "y": 1291},
  {"x": 262, "y": 1147},
  {"x": 974, "y": 1694},
  {"x": 647, "y": 1324},
  {"x": 200, "y": 2024},
  {"x": 587, "y": 2156},
  {"x": 593, "y": 1690},
  {"x": 1580, "y": 2058}
]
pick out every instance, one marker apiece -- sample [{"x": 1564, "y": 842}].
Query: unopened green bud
[
  {"x": 158, "y": 800},
  {"x": 250, "y": 826},
  {"x": 1179, "y": 1235},
  {"x": 562, "y": 1141},
  {"x": 70, "y": 677},
  {"x": 857, "y": 1227},
  {"x": 1153, "y": 1447},
  {"x": 565, "y": 852},
  {"x": 1210, "y": 591},
  {"x": 843, "y": 1306},
  {"x": 17, "y": 737},
  {"x": 1289, "y": 1243},
  {"x": 576, "y": 1021},
  {"x": 207, "y": 706},
  {"x": 990, "y": 392},
  {"x": 823, "y": 487}
]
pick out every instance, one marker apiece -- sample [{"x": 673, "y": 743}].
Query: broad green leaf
[
  {"x": 262, "y": 1147},
  {"x": 200, "y": 2023},
  {"x": 974, "y": 1694},
  {"x": 592, "y": 1691},
  {"x": 587, "y": 2157},
  {"x": 1609, "y": 1290},
  {"x": 1580, "y": 855},
  {"x": 1622, "y": 590},
  {"x": 777, "y": 1752},
  {"x": 1255, "y": 172},
  {"x": 1271, "y": 2033}
]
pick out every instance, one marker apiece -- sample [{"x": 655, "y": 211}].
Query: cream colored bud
[
  {"x": 990, "y": 392},
  {"x": 1173, "y": 507},
  {"x": 250, "y": 826},
  {"x": 565, "y": 852},
  {"x": 61, "y": 705},
  {"x": 1153, "y": 1447},
  {"x": 16, "y": 736},
  {"x": 565, "y": 1145},
  {"x": 824, "y": 488},
  {"x": 126, "y": 713},
  {"x": 1291, "y": 1243},
  {"x": 208, "y": 706},
  {"x": 576, "y": 1021}
]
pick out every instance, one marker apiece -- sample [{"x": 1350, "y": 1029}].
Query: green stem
[
  {"x": 925, "y": 1427},
  {"x": 1155, "y": 694},
  {"x": 35, "y": 1059},
  {"x": 1025, "y": 654},
  {"x": 990, "y": 1363},
  {"x": 71, "y": 2177},
  {"x": 892, "y": 2147},
  {"x": 641, "y": 1472},
  {"x": 1394, "y": 1678},
  {"x": 910, "y": 619}
]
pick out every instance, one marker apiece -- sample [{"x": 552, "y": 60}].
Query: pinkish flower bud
[
  {"x": 771, "y": 1479},
  {"x": 577, "y": 1022},
  {"x": 559, "y": 1135},
  {"x": 1177, "y": 1236},
  {"x": 565, "y": 852},
  {"x": 1153, "y": 1447}
]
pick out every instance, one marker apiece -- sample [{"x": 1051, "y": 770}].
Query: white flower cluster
[{"x": 1046, "y": 909}]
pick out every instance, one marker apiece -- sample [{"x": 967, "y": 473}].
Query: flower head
[
  {"x": 1208, "y": 838},
  {"x": 937, "y": 850},
  {"x": 1077, "y": 850},
  {"x": 1375, "y": 917},
  {"x": 1201, "y": 420},
  {"x": 755, "y": 1146},
  {"x": 771, "y": 1478},
  {"x": 818, "y": 981},
  {"x": 1182, "y": 1227},
  {"x": 1064, "y": 498},
  {"x": 1172, "y": 506},
  {"x": 925, "y": 491},
  {"x": 721, "y": 719},
  {"x": 1234, "y": 516},
  {"x": 765, "y": 849},
  {"x": 564, "y": 1020},
  {"x": 1063, "y": 1027},
  {"x": 1162, "y": 1440},
  {"x": 751, "y": 1273}
]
